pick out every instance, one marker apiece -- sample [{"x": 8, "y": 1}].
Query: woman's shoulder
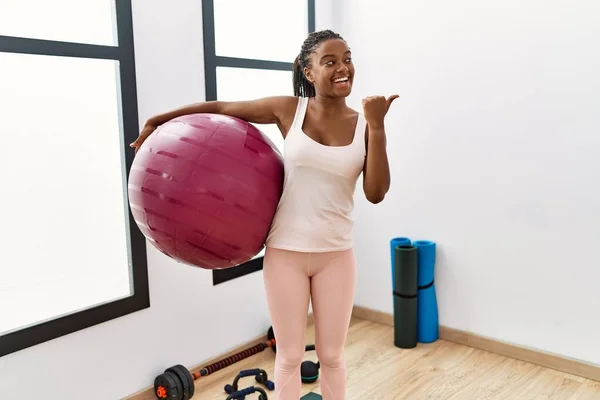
[
  {"x": 288, "y": 103},
  {"x": 281, "y": 106}
]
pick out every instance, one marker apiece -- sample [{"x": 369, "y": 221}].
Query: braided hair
[{"x": 302, "y": 87}]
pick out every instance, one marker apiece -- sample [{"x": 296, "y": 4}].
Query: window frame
[
  {"x": 140, "y": 299},
  {"x": 211, "y": 62}
]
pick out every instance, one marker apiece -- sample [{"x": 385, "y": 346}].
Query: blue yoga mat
[{"x": 427, "y": 314}]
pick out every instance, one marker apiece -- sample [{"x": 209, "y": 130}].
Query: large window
[
  {"x": 70, "y": 258},
  {"x": 249, "y": 49}
]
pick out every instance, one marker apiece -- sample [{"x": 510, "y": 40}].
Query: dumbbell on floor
[{"x": 176, "y": 383}]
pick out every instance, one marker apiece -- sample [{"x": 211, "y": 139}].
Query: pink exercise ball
[{"x": 203, "y": 189}]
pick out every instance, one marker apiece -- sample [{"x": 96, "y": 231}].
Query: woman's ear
[{"x": 308, "y": 74}]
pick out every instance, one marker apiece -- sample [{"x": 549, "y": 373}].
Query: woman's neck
[{"x": 327, "y": 106}]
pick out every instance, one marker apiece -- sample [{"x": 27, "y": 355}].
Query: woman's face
[{"x": 331, "y": 71}]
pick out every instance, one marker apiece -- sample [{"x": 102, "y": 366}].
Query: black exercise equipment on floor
[
  {"x": 309, "y": 371},
  {"x": 177, "y": 383},
  {"x": 311, "y": 396},
  {"x": 260, "y": 376},
  {"x": 241, "y": 394}
]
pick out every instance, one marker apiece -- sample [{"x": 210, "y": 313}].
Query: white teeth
[{"x": 341, "y": 79}]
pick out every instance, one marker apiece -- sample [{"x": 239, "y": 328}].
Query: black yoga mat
[{"x": 405, "y": 296}]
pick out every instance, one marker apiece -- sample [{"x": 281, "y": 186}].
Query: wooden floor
[{"x": 442, "y": 370}]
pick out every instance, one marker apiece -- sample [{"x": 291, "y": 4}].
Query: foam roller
[{"x": 427, "y": 314}]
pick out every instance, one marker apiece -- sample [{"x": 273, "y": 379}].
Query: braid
[{"x": 302, "y": 87}]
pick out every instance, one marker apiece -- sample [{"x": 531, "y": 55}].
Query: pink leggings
[{"x": 327, "y": 280}]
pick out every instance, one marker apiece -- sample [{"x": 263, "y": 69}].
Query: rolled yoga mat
[
  {"x": 405, "y": 296},
  {"x": 427, "y": 315},
  {"x": 398, "y": 241}
]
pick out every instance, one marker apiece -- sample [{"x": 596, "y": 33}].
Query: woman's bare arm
[
  {"x": 376, "y": 171},
  {"x": 266, "y": 110}
]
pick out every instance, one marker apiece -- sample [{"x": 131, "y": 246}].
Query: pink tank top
[{"x": 314, "y": 213}]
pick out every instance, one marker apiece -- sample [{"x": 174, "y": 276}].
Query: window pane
[
  {"x": 263, "y": 29},
  {"x": 64, "y": 232},
  {"x": 235, "y": 84},
  {"x": 83, "y": 21}
]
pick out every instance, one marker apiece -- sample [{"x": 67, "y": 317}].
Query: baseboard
[{"x": 544, "y": 359}]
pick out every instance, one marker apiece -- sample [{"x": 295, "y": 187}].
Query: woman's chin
[{"x": 343, "y": 89}]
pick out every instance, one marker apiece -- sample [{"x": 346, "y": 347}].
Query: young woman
[{"x": 309, "y": 253}]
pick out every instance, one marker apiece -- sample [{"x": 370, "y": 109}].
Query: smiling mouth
[{"x": 342, "y": 80}]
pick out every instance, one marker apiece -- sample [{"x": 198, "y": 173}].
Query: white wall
[
  {"x": 495, "y": 155},
  {"x": 120, "y": 357}
]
